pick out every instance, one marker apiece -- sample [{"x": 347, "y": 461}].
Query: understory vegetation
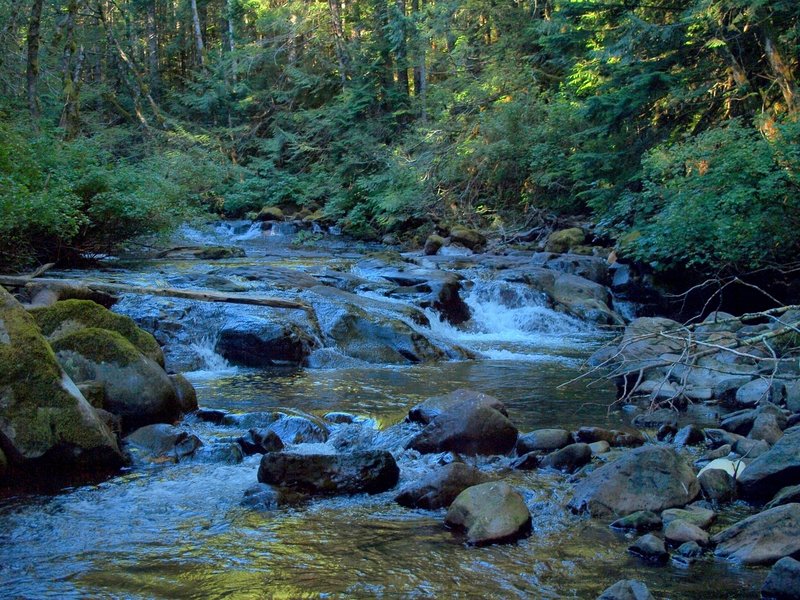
[{"x": 672, "y": 124}]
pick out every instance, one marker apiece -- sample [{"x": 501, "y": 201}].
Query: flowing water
[{"x": 178, "y": 531}]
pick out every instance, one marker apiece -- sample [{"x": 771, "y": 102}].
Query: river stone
[
  {"x": 474, "y": 425},
  {"x": 696, "y": 515},
  {"x": 758, "y": 390},
  {"x": 642, "y": 520},
  {"x": 627, "y": 589},
  {"x": 691, "y": 435},
  {"x": 426, "y": 411},
  {"x": 161, "y": 442},
  {"x": 679, "y": 531},
  {"x": 733, "y": 468},
  {"x": 600, "y": 447},
  {"x": 766, "y": 427},
  {"x": 433, "y": 244},
  {"x": 589, "y": 435},
  {"x": 266, "y": 497},
  {"x": 786, "y": 496},
  {"x": 527, "y": 462},
  {"x": 762, "y": 538},
  {"x": 543, "y": 440},
  {"x": 775, "y": 469},
  {"x": 569, "y": 459},
  {"x": 469, "y": 238},
  {"x": 650, "y": 548},
  {"x": 561, "y": 241},
  {"x": 355, "y": 472},
  {"x": 717, "y": 485},
  {"x": 656, "y": 419},
  {"x": 293, "y": 429},
  {"x": 43, "y": 416},
  {"x": 136, "y": 388},
  {"x": 719, "y": 437},
  {"x": 259, "y": 342},
  {"x": 783, "y": 581},
  {"x": 747, "y": 448},
  {"x": 184, "y": 390},
  {"x": 647, "y": 478},
  {"x": 440, "y": 487},
  {"x": 492, "y": 512},
  {"x": 690, "y": 550},
  {"x": 68, "y": 316},
  {"x": 260, "y": 441}
]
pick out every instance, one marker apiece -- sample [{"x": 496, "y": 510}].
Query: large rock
[
  {"x": 259, "y": 342},
  {"x": 647, "y": 478},
  {"x": 564, "y": 240},
  {"x": 762, "y": 538},
  {"x": 162, "y": 443},
  {"x": 475, "y": 424},
  {"x": 43, "y": 415},
  {"x": 773, "y": 470},
  {"x": 783, "y": 581},
  {"x": 627, "y": 589},
  {"x": 136, "y": 388},
  {"x": 469, "y": 238},
  {"x": 490, "y": 513},
  {"x": 440, "y": 487},
  {"x": 355, "y": 472},
  {"x": 68, "y": 316}
]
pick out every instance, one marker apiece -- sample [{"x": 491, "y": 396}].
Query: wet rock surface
[{"x": 490, "y": 513}]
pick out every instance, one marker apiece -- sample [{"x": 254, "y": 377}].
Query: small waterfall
[
  {"x": 253, "y": 232},
  {"x": 213, "y": 365},
  {"x": 280, "y": 228}
]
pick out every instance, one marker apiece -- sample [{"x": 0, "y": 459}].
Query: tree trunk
[
  {"x": 338, "y": 39},
  {"x": 231, "y": 41},
  {"x": 70, "y": 115},
  {"x": 402, "y": 51},
  {"x": 198, "y": 34},
  {"x": 782, "y": 73},
  {"x": 32, "y": 75},
  {"x": 152, "y": 48}
]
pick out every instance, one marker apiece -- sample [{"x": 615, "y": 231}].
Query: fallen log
[{"x": 122, "y": 288}]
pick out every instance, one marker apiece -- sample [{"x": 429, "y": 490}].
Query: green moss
[
  {"x": 218, "y": 252},
  {"x": 562, "y": 241},
  {"x": 99, "y": 345},
  {"x": 68, "y": 315}
]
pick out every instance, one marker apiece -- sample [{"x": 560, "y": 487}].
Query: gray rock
[
  {"x": 717, "y": 485},
  {"x": 527, "y": 462},
  {"x": 783, "y": 581},
  {"x": 678, "y": 532},
  {"x": 490, "y": 513},
  {"x": 260, "y": 441},
  {"x": 627, "y": 589},
  {"x": 440, "y": 487},
  {"x": 696, "y": 515},
  {"x": 766, "y": 427},
  {"x": 690, "y": 550},
  {"x": 185, "y": 392},
  {"x": 370, "y": 471},
  {"x": 569, "y": 459},
  {"x": 657, "y": 418},
  {"x": 266, "y": 497},
  {"x": 750, "y": 449},
  {"x": 260, "y": 342},
  {"x": 474, "y": 425},
  {"x": 775, "y": 469},
  {"x": 650, "y": 548},
  {"x": 762, "y": 538},
  {"x": 647, "y": 478},
  {"x": 759, "y": 390},
  {"x": 543, "y": 440},
  {"x": 426, "y": 411},
  {"x": 160, "y": 442},
  {"x": 600, "y": 447},
  {"x": 719, "y": 437},
  {"x": 691, "y": 435}
]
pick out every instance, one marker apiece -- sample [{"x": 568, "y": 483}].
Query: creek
[{"x": 179, "y": 531}]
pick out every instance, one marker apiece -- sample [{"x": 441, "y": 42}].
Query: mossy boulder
[
  {"x": 68, "y": 316},
  {"x": 136, "y": 388},
  {"x": 43, "y": 415},
  {"x": 270, "y": 213},
  {"x": 433, "y": 244},
  {"x": 469, "y": 238},
  {"x": 562, "y": 241}
]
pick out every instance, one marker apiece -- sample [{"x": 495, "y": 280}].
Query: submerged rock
[
  {"x": 647, "y": 478},
  {"x": 627, "y": 589},
  {"x": 43, "y": 415},
  {"x": 762, "y": 538},
  {"x": 468, "y": 423},
  {"x": 266, "y": 497},
  {"x": 490, "y": 513},
  {"x": 355, "y": 472},
  {"x": 440, "y": 487}
]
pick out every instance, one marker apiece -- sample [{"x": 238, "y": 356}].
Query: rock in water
[
  {"x": 643, "y": 520},
  {"x": 783, "y": 581},
  {"x": 679, "y": 532},
  {"x": 136, "y": 388},
  {"x": 426, "y": 411},
  {"x": 650, "y": 548},
  {"x": 43, "y": 416},
  {"x": 370, "y": 471},
  {"x": 647, "y": 478},
  {"x": 569, "y": 459},
  {"x": 773, "y": 470},
  {"x": 490, "y": 513},
  {"x": 627, "y": 589},
  {"x": 762, "y": 538},
  {"x": 543, "y": 440},
  {"x": 440, "y": 487},
  {"x": 161, "y": 442},
  {"x": 473, "y": 425}
]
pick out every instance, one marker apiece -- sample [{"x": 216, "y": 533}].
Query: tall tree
[{"x": 32, "y": 76}]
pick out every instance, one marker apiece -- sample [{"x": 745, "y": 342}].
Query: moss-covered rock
[
  {"x": 136, "y": 389},
  {"x": 43, "y": 416},
  {"x": 270, "y": 213},
  {"x": 68, "y": 316},
  {"x": 562, "y": 241},
  {"x": 433, "y": 244},
  {"x": 468, "y": 238}
]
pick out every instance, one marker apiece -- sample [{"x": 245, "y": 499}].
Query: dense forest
[{"x": 671, "y": 124}]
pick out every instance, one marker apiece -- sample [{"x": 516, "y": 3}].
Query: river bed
[{"x": 178, "y": 531}]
